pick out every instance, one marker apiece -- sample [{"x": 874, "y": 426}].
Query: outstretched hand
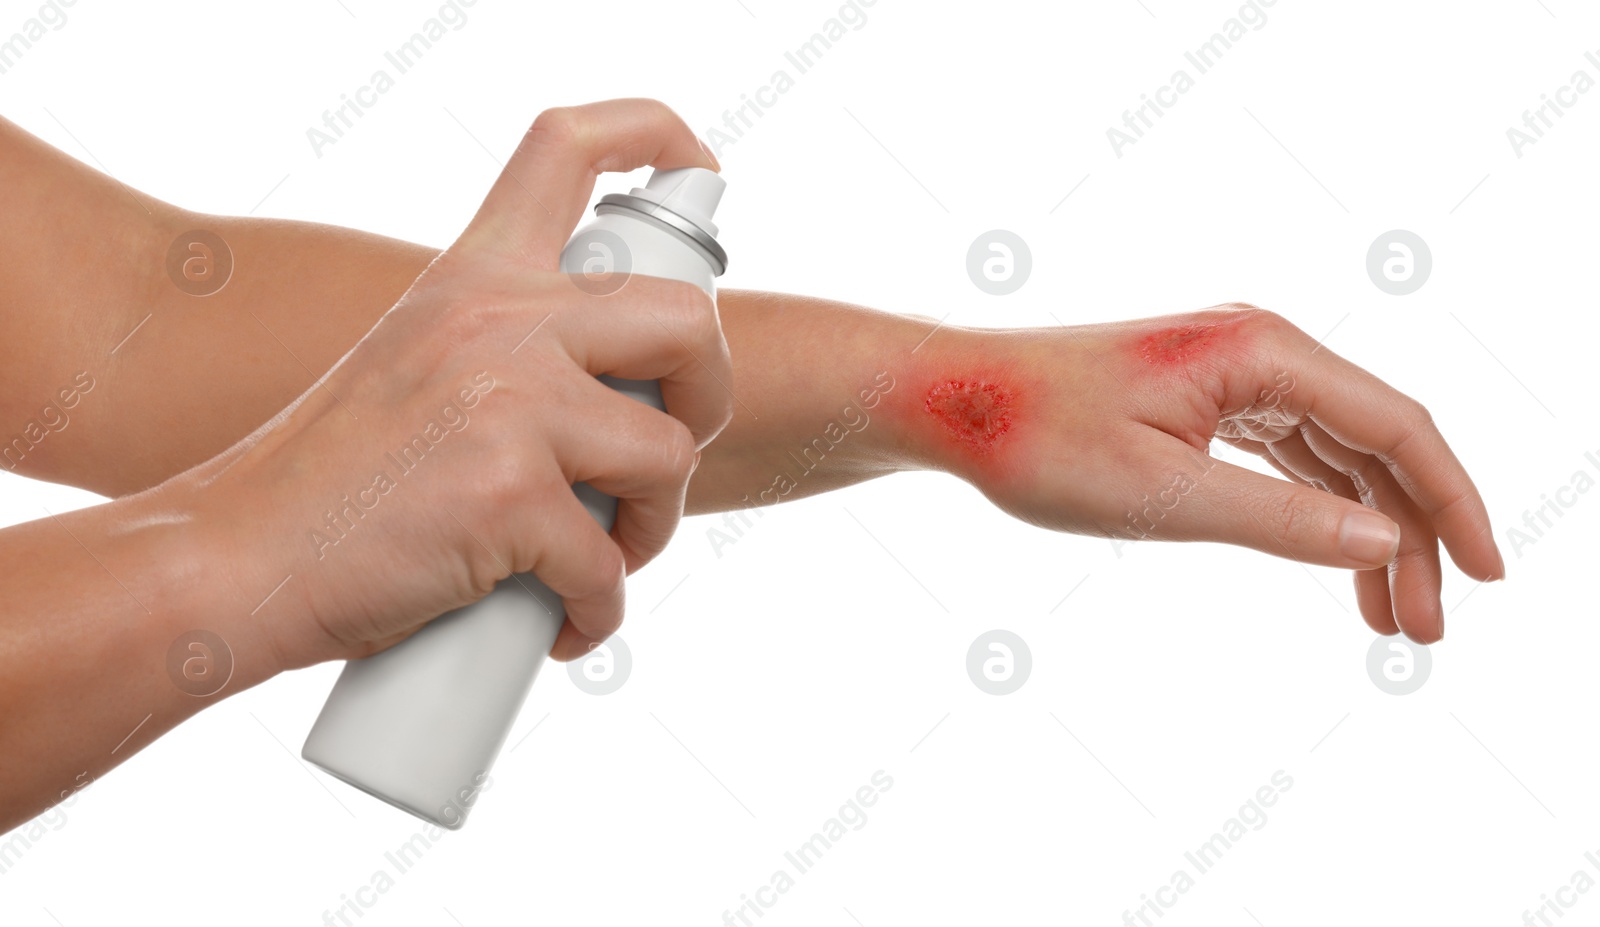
[{"x": 1105, "y": 429}]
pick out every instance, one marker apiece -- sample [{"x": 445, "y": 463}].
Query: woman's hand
[
  {"x": 1104, "y": 430},
  {"x": 438, "y": 456}
]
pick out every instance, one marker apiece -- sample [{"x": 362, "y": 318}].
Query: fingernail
[
  {"x": 1369, "y": 537},
  {"x": 1500, "y": 572},
  {"x": 715, "y": 164},
  {"x": 696, "y": 464}
]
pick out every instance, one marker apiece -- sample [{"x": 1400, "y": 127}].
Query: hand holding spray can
[{"x": 420, "y": 724}]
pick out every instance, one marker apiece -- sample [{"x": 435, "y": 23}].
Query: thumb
[
  {"x": 1205, "y": 499},
  {"x": 541, "y": 194}
]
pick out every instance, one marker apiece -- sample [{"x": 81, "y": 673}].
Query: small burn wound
[
  {"x": 976, "y": 414},
  {"x": 1179, "y": 345}
]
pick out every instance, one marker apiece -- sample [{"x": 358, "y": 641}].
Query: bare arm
[
  {"x": 96, "y": 658},
  {"x": 96, "y": 600},
  {"x": 190, "y": 375},
  {"x": 116, "y": 380},
  {"x": 198, "y": 373}
]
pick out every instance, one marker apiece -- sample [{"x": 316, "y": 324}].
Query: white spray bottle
[{"x": 420, "y": 724}]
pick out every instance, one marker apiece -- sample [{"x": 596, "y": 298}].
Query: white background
[{"x": 770, "y": 682}]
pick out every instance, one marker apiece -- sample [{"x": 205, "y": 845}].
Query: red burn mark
[
  {"x": 977, "y": 414},
  {"x": 1177, "y": 345}
]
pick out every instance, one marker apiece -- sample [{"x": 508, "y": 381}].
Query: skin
[
  {"x": 1178, "y": 345},
  {"x": 974, "y": 412},
  {"x": 226, "y": 427}
]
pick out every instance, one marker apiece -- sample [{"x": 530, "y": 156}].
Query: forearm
[
  {"x": 830, "y": 394},
  {"x": 118, "y": 378},
  {"x": 113, "y": 378},
  {"x": 95, "y": 601},
  {"x": 123, "y": 379}
]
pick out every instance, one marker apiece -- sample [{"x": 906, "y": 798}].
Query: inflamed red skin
[
  {"x": 1215, "y": 350},
  {"x": 976, "y": 413},
  {"x": 979, "y": 421},
  {"x": 1176, "y": 346},
  {"x": 1107, "y": 430}
]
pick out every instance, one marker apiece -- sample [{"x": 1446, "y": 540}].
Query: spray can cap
[{"x": 683, "y": 199}]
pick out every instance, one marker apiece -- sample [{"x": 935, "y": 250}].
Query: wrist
[
  {"x": 964, "y": 404},
  {"x": 168, "y": 556},
  {"x": 843, "y": 394}
]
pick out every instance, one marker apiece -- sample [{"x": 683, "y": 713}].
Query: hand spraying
[{"x": 420, "y": 724}]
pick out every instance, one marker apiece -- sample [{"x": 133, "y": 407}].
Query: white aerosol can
[{"x": 420, "y": 724}]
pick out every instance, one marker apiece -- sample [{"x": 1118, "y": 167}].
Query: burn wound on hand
[
  {"x": 975, "y": 413},
  {"x": 1179, "y": 345}
]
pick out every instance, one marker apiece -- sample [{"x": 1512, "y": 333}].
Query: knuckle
[
  {"x": 500, "y": 473},
  {"x": 654, "y": 112},
  {"x": 1364, "y": 471},
  {"x": 1254, "y": 316},
  {"x": 706, "y": 326},
  {"x": 1415, "y": 419},
  {"x": 559, "y": 125},
  {"x": 1264, "y": 328},
  {"x": 609, "y": 567},
  {"x": 597, "y": 573},
  {"x": 724, "y": 412},
  {"x": 1418, "y": 414},
  {"x": 677, "y": 448},
  {"x": 656, "y": 107},
  {"x": 1289, "y": 520},
  {"x": 605, "y": 572},
  {"x": 690, "y": 307}
]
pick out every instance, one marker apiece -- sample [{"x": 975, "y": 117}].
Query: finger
[
  {"x": 1374, "y": 600},
  {"x": 568, "y": 551},
  {"x": 1195, "y": 497},
  {"x": 656, "y": 329},
  {"x": 542, "y": 192},
  {"x": 1294, "y": 457},
  {"x": 1371, "y": 586},
  {"x": 1367, "y": 415},
  {"x": 1264, "y": 451},
  {"x": 636, "y": 454},
  {"x": 571, "y": 644},
  {"x": 1414, "y": 576}
]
